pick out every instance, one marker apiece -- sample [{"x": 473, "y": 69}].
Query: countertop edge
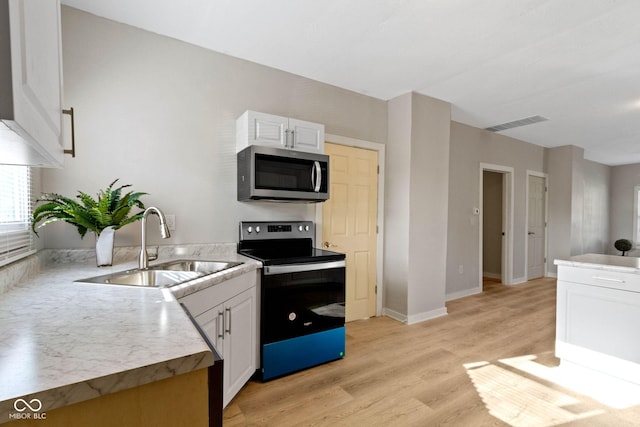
[
  {"x": 101, "y": 386},
  {"x": 602, "y": 262}
]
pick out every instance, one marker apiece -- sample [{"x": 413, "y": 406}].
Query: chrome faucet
[{"x": 143, "y": 260}]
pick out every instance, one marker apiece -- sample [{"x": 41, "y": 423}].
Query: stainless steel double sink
[{"x": 162, "y": 275}]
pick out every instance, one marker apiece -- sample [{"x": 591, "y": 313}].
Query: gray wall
[
  {"x": 623, "y": 180},
  {"x": 492, "y": 224},
  {"x": 596, "y": 202},
  {"x": 416, "y": 206},
  {"x": 469, "y": 147},
  {"x": 396, "y": 206},
  {"x": 560, "y": 169},
  {"x": 579, "y": 204},
  {"x": 428, "y": 215},
  {"x": 160, "y": 114}
]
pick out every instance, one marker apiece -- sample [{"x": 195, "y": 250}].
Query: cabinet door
[
  {"x": 212, "y": 323},
  {"x": 240, "y": 342},
  {"x": 36, "y": 68},
  {"x": 267, "y": 129},
  {"x": 307, "y": 136}
]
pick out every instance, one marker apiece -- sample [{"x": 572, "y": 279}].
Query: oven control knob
[
  {"x": 249, "y": 229},
  {"x": 306, "y": 228},
  {"x": 257, "y": 229},
  {"x": 300, "y": 228}
]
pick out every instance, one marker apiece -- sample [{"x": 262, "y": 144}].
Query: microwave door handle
[{"x": 318, "y": 173}]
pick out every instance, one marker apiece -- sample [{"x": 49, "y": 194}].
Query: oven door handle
[{"x": 270, "y": 270}]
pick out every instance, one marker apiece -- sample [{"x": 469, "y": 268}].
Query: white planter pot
[{"x": 104, "y": 247}]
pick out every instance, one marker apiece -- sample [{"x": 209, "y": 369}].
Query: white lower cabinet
[
  {"x": 227, "y": 313},
  {"x": 239, "y": 342},
  {"x": 598, "y": 320}
]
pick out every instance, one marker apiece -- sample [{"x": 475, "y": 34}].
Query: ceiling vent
[{"x": 517, "y": 123}]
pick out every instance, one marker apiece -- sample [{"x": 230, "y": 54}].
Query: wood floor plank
[{"x": 463, "y": 369}]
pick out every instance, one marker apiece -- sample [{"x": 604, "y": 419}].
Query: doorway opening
[
  {"x": 496, "y": 224},
  {"x": 492, "y": 225}
]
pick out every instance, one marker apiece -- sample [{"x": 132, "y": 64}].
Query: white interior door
[{"x": 536, "y": 227}]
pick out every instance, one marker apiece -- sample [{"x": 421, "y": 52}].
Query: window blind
[{"x": 16, "y": 201}]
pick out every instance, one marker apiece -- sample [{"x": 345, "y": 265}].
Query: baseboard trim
[
  {"x": 518, "y": 281},
  {"x": 491, "y": 275},
  {"x": 550, "y": 274},
  {"x": 427, "y": 315},
  {"x": 462, "y": 294},
  {"x": 394, "y": 315}
]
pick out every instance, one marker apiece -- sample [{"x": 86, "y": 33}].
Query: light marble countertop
[
  {"x": 625, "y": 264},
  {"x": 64, "y": 342}
]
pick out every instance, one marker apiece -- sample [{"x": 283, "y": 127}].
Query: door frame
[
  {"x": 507, "y": 217},
  {"x": 526, "y": 221},
  {"x": 380, "y": 148}
]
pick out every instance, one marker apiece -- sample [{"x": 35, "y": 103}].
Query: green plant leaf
[{"x": 110, "y": 208}]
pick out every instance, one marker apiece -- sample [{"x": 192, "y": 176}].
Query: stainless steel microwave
[{"x": 266, "y": 173}]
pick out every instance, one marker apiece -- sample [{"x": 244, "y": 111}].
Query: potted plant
[
  {"x": 109, "y": 212},
  {"x": 623, "y": 245}
]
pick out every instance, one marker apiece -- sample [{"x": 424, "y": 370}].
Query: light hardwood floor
[{"x": 484, "y": 364}]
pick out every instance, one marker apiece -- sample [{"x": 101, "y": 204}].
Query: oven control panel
[{"x": 263, "y": 230}]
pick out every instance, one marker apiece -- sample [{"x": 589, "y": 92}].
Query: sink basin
[
  {"x": 150, "y": 278},
  {"x": 204, "y": 267},
  {"x": 162, "y": 275}
]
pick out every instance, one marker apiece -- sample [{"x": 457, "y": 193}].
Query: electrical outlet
[{"x": 171, "y": 221}]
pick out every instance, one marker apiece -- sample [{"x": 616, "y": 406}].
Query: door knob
[{"x": 329, "y": 245}]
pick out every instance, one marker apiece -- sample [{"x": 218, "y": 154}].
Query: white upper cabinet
[
  {"x": 254, "y": 128},
  {"x": 31, "y": 119}
]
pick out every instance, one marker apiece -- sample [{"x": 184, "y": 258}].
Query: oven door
[{"x": 301, "y": 299}]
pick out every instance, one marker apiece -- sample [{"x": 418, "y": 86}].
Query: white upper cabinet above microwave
[
  {"x": 31, "y": 83},
  {"x": 254, "y": 128}
]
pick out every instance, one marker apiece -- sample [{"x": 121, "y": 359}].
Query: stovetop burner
[{"x": 279, "y": 243}]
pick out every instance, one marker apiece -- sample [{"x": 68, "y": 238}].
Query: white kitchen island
[{"x": 598, "y": 314}]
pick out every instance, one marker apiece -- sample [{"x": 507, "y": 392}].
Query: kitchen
[{"x": 151, "y": 110}]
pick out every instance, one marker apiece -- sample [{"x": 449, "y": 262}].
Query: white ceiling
[{"x": 576, "y": 62}]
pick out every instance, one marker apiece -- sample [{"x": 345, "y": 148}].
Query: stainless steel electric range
[{"x": 302, "y": 296}]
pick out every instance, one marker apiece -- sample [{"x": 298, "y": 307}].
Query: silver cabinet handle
[
  {"x": 221, "y": 324},
  {"x": 316, "y": 166},
  {"x": 608, "y": 279},
  {"x": 293, "y": 138},
  {"x": 228, "y": 330},
  {"x": 531, "y": 233},
  {"x": 288, "y": 138}
]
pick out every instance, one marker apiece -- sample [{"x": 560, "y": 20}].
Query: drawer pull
[
  {"x": 220, "y": 324},
  {"x": 608, "y": 279}
]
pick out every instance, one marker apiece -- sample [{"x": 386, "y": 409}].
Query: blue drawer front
[{"x": 298, "y": 353}]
